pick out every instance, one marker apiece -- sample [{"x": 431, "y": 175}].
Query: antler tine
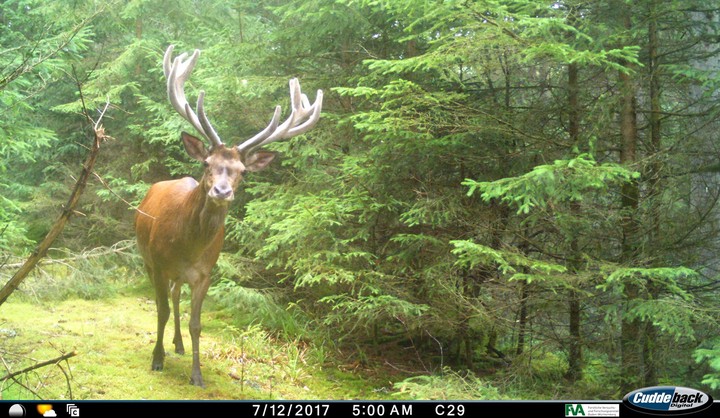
[
  {"x": 207, "y": 127},
  {"x": 303, "y": 116},
  {"x": 247, "y": 146},
  {"x": 177, "y": 72},
  {"x": 167, "y": 61},
  {"x": 314, "y": 116}
]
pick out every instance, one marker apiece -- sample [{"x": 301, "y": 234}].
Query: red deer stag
[{"x": 180, "y": 223}]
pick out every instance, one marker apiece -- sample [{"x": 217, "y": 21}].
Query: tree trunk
[
  {"x": 631, "y": 369},
  {"x": 575, "y": 358},
  {"x": 655, "y": 179},
  {"x": 522, "y": 320},
  {"x": 574, "y": 348}
]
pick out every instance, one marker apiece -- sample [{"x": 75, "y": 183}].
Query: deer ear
[
  {"x": 258, "y": 160},
  {"x": 194, "y": 147}
]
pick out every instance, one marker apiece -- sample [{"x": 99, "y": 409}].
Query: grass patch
[
  {"x": 448, "y": 386},
  {"x": 114, "y": 338}
]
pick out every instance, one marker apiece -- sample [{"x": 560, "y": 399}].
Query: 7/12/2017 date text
[{"x": 355, "y": 409}]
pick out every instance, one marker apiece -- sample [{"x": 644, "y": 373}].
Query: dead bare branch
[
  {"x": 95, "y": 252},
  {"x": 68, "y": 209},
  {"x": 130, "y": 205},
  {"x": 67, "y": 378},
  {"x": 55, "y": 360}
]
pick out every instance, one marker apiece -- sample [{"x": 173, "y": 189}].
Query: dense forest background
[{"x": 524, "y": 192}]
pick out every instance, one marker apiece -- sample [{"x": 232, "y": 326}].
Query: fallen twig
[
  {"x": 84, "y": 256},
  {"x": 56, "y": 360}
]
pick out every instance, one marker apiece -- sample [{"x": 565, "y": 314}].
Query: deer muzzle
[{"x": 222, "y": 192}]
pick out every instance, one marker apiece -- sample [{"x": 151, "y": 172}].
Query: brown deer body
[{"x": 180, "y": 223}]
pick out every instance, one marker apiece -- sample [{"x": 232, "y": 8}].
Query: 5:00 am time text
[{"x": 380, "y": 410}]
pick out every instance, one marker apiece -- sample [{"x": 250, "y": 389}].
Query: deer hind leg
[
  {"x": 163, "y": 314},
  {"x": 175, "y": 289},
  {"x": 198, "y": 294}
]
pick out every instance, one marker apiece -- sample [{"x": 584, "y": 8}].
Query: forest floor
[{"x": 114, "y": 338}]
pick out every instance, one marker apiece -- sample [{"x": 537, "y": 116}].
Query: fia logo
[{"x": 574, "y": 410}]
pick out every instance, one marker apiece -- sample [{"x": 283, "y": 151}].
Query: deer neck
[{"x": 207, "y": 218}]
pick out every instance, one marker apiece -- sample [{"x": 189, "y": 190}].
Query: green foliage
[
  {"x": 710, "y": 355},
  {"x": 250, "y": 307},
  {"x": 472, "y": 255},
  {"x": 672, "y": 309},
  {"x": 363, "y": 312},
  {"x": 665, "y": 278},
  {"x": 563, "y": 181},
  {"x": 599, "y": 377},
  {"x": 538, "y": 371}
]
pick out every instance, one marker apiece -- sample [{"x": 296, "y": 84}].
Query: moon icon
[{"x": 17, "y": 410}]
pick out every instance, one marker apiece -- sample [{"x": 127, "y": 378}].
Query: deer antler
[
  {"x": 302, "y": 117},
  {"x": 177, "y": 72}
]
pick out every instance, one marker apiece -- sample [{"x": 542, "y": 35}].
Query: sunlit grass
[
  {"x": 104, "y": 310},
  {"x": 114, "y": 338}
]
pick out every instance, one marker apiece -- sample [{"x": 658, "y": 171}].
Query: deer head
[{"x": 225, "y": 166}]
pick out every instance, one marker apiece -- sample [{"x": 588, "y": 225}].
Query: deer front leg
[
  {"x": 175, "y": 290},
  {"x": 163, "y": 314},
  {"x": 198, "y": 294}
]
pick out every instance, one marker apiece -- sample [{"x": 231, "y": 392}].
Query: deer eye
[{"x": 206, "y": 164}]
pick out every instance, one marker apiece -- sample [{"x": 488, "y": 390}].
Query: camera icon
[{"x": 72, "y": 410}]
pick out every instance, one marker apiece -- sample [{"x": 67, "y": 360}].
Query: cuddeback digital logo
[{"x": 667, "y": 400}]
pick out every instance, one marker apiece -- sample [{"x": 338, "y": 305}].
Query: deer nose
[{"x": 221, "y": 192}]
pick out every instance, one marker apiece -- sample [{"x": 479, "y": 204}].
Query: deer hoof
[{"x": 157, "y": 364}]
